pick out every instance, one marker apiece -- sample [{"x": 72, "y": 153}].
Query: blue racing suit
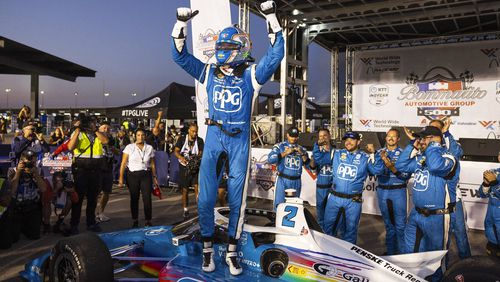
[
  {"x": 391, "y": 195},
  {"x": 428, "y": 225},
  {"x": 350, "y": 170},
  {"x": 230, "y": 100},
  {"x": 492, "y": 219},
  {"x": 289, "y": 170},
  {"x": 457, "y": 219},
  {"x": 323, "y": 161}
]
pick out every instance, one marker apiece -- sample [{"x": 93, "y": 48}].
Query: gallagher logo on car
[{"x": 325, "y": 269}]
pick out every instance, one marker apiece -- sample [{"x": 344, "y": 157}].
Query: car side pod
[{"x": 180, "y": 242}]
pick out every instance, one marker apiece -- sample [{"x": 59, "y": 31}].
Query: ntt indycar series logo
[{"x": 440, "y": 93}]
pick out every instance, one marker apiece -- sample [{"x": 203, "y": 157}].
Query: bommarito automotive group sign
[{"x": 411, "y": 86}]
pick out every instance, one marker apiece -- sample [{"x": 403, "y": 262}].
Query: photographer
[
  {"x": 63, "y": 198},
  {"x": 88, "y": 162},
  {"x": 31, "y": 139},
  {"x": 188, "y": 150},
  {"x": 24, "y": 212},
  {"x": 289, "y": 157}
]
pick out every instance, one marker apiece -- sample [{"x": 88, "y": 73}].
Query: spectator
[
  {"x": 3, "y": 129},
  {"x": 172, "y": 137},
  {"x": 122, "y": 139},
  {"x": 87, "y": 145},
  {"x": 138, "y": 159},
  {"x": 107, "y": 171},
  {"x": 289, "y": 158},
  {"x": 56, "y": 137},
  {"x": 156, "y": 138},
  {"x": 188, "y": 150},
  {"x": 30, "y": 140},
  {"x": 22, "y": 195},
  {"x": 23, "y": 116},
  {"x": 491, "y": 189}
]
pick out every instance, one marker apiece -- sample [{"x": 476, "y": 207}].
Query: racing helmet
[{"x": 232, "y": 47}]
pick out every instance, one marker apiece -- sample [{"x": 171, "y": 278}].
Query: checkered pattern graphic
[
  {"x": 412, "y": 78},
  {"x": 468, "y": 78}
]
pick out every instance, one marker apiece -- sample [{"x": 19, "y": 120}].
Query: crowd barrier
[{"x": 263, "y": 176}]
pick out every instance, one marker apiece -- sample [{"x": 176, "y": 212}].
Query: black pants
[
  {"x": 13, "y": 223},
  {"x": 140, "y": 181},
  {"x": 88, "y": 184}
]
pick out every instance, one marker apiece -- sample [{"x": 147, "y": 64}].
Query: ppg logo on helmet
[
  {"x": 347, "y": 172},
  {"x": 421, "y": 180},
  {"x": 292, "y": 163},
  {"x": 227, "y": 99}
]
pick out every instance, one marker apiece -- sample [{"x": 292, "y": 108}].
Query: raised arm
[
  {"x": 180, "y": 55},
  {"x": 439, "y": 161},
  {"x": 270, "y": 62},
  {"x": 407, "y": 161}
]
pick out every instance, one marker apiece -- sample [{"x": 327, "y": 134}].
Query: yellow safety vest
[{"x": 84, "y": 150}]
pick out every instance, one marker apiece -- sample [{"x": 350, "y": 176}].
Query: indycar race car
[{"x": 287, "y": 245}]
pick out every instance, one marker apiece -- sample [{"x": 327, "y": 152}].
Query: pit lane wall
[
  {"x": 410, "y": 86},
  {"x": 263, "y": 176}
]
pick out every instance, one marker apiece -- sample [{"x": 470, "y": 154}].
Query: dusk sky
[{"x": 125, "y": 41}]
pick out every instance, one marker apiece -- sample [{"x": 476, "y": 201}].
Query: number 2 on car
[{"x": 287, "y": 219}]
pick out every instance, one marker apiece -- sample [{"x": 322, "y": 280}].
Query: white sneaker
[
  {"x": 102, "y": 218},
  {"x": 232, "y": 262},
  {"x": 208, "y": 260}
]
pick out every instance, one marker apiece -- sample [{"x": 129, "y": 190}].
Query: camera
[{"x": 30, "y": 156}]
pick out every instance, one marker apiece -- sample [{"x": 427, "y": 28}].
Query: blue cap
[{"x": 351, "y": 134}]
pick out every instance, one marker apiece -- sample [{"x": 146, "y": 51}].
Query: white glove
[
  {"x": 268, "y": 9},
  {"x": 183, "y": 16}
]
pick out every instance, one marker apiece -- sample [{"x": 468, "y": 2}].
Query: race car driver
[
  {"x": 391, "y": 192},
  {"x": 232, "y": 85},
  {"x": 350, "y": 168},
  {"x": 428, "y": 224},
  {"x": 289, "y": 157}
]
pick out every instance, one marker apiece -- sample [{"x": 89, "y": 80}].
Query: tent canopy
[{"x": 177, "y": 101}]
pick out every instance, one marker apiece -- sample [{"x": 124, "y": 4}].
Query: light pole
[
  {"x": 105, "y": 99},
  {"x": 41, "y": 94},
  {"x": 76, "y": 99},
  {"x": 7, "y": 91},
  {"x": 134, "y": 95}
]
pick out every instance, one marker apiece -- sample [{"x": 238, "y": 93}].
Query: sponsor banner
[
  {"x": 263, "y": 177},
  {"x": 411, "y": 86},
  {"x": 206, "y": 28}
]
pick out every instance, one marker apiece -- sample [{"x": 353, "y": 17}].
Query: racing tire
[
  {"x": 274, "y": 262},
  {"x": 81, "y": 258},
  {"x": 476, "y": 268}
]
